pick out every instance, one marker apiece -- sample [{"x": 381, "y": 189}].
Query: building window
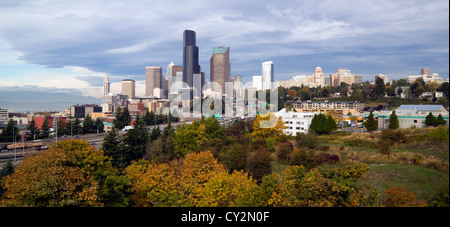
[{"x": 415, "y": 121}]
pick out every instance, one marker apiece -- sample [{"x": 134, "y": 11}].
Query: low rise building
[
  {"x": 296, "y": 122},
  {"x": 412, "y": 116},
  {"x": 339, "y": 107}
]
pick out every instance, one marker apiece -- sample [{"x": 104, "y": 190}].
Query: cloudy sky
[{"x": 54, "y": 45}]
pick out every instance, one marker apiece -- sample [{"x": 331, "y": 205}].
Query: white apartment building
[{"x": 296, "y": 122}]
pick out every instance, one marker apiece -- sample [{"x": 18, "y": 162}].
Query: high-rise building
[
  {"x": 128, "y": 88},
  {"x": 190, "y": 57},
  {"x": 153, "y": 81},
  {"x": 267, "y": 75},
  {"x": 257, "y": 82},
  {"x": 106, "y": 86},
  {"x": 220, "y": 66},
  {"x": 344, "y": 75},
  {"x": 425, "y": 71}
]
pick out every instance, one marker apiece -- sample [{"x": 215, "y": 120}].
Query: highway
[{"x": 95, "y": 139}]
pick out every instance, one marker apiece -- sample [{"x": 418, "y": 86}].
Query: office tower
[
  {"x": 190, "y": 57},
  {"x": 106, "y": 86},
  {"x": 257, "y": 82},
  {"x": 153, "y": 81},
  {"x": 128, "y": 88},
  {"x": 267, "y": 75},
  {"x": 425, "y": 71},
  {"x": 220, "y": 66}
]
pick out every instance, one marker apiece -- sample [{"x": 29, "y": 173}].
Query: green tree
[
  {"x": 149, "y": 118},
  {"x": 234, "y": 157},
  {"x": 45, "y": 129},
  {"x": 393, "y": 121},
  {"x": 259, "y": 164},
  {"x": 76, "y": 127},
  {"x": 213, "y": 129},
  {"x": 444, "y": 88},
  {"x": 99, "y": 126},
  {"x": 123, "y": 118},
  {"x": 61, "y": 128},
  {"x": 114, "y": 147},
  {"x": 371, "y": 123},
  {"x": 440, "y": 120},
  {"x": 321, "y": 124},
  {"x": 10, "y": 132},
  {"x": 156, "y": 132},
  {"x": 33, "y": 129},
  {"x": 379, "y": 89},
  {"x": 430, "y": 120},
  {"x": 88, "y": 125},
  {"x": 136, "y": 139}
]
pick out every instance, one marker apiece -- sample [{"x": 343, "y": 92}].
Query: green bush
[
  {"x": 307, "y": 140},
  {"x": 358, "y": 142},
  {"x": 439, "y": 134}
]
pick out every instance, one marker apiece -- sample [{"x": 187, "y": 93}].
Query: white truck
[{"x": 128, "y": 127}]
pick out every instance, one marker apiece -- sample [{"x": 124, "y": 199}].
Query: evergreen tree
[
  {"x": 136, "y": 139},
  {"x": 99, "y": 125},
  {"x": 440, "y": 120},
  {"x": 380, "y": 88},
  {"x": 33, "y": 129},
  {"x": 149, "y": 118},
  {"x": 76, "y": 127},
  {"x": 114, "y": 147},
  {"x": 9, "y": 133},
  {"x": 371, "y": 123},
  {"x": 45, "y": 129},
  {"x": 430, "y": 120},
  {"x": 61, "y": 128},
  {"x": 88, "y": 125},
  {"x": 393, "y": 121},
  {"x": 156, "y": 132},
  {"x": 123, "y": 118},
  {"x": 331, "y": 124}
]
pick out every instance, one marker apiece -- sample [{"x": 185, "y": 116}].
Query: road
[{"x": 95, "y": 139}]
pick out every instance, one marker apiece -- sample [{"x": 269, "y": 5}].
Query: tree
[
  {"x": 234, "y": 157},
  {"x": 99, "y": 126},
  {"x": 259, "y": 164},
  {"x": 45, "y": 129},
  {"x": 114, "y": 147},
  {"x": 156, "y": 132},
  {"x": 33, "y": 129},
  {"x": 371, "y": 123},
  {"x": 393, "y": 121},
  {"x": 149, "y": 118},
  {"x": 266, "y": 126},
  {"x": 76, "y": 127},
  {"x": 213, "y": 129},
  {"x": 70, "y": 173},
  {"x": 123, "y": 118},
  {"x": 440, "y": 120},
  {"x": 136, "y": 139},
  {"x": 430, "y": 120},
  {"x": 10, "y": 133},
  {"x": 61, "y": 128},
  {"x": 444, "y": 88},
  {"x": 357, "y": 95},
  {"x": 88, "y": 125},
  {"x": 399, "y": 197},
  {"x": 321, "y": 124},
  {"x": 379, "y": 89}
]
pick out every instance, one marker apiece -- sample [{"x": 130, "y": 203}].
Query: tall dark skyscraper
[{"x": 190, "y": 57}]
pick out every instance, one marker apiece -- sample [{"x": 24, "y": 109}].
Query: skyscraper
[
  {"x": 257, "y": 82},
  {"x": 106, "y": 86},
  {"x": 153, "y": 81},
  {"x": 267, "y": 75},
  {"x": 128, "y": 88},
  {"x": 220, "y": 66},
  {"x": 190, "y": 57}
]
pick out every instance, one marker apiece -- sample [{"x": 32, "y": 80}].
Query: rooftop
[
  {"x": 220, "y": 50},
  {"x": 430, "y": 108}
]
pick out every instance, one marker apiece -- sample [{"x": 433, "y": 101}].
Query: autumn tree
[
  {"x": 400, "y": 197},
  {"x": 70, "y": 173},
  {"x": 259, "y": 164},
  {"x": 267, "y": 125}
]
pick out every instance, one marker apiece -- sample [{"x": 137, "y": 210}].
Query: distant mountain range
[{"x": 34, "y": 101}]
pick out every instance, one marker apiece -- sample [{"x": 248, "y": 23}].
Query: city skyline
[{"x": 296, "y": 36}]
